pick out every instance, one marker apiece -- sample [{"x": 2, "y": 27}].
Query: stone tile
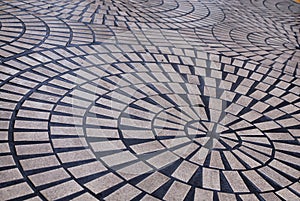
[
  {"x": 177, "y": 191},
  {"x": 226, "y": 196},
  {"x": 162, "y": 159},
  {"x": 119, "y": 158},
  {"x": 4, "y": 148},
  {"x": 10, "y": 175},
  {"x": 134, "y": 170},
  {"x": 286, "y": 194},
  {"x": 61, "y": 190},
  {"x": 248, "y": 197},
  {"x": 87, "y": 169},
  {"x": 153, "y": 182},
  {"x": 211, "y": 179},
  {"x": 34, "y": 199},
  {"x": 6, "y": 161},
  {"x": 270, "y": 196},
  {"x": 126, "y": 192},
  {"x": 257, "y": 180},
  {"x": 39, "y": 162},
  {"x": 275, "y": 176},
  {"x": 72, "y": 156},
  {"x": 103, "y": 183},
  {"x": 235, "y": 181},
  {"x": 185, "y": 171},
  {"x": 149, "y": 198},
  {"x": 15, "y": 191},
  {"x": 203, "y": 195},
  {"x": 284, "y": 168},
  {"x": 34, "y": 149},
  {"x": 49, "y": 177}
]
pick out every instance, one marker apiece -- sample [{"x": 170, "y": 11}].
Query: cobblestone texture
[{"x": 149, "y": 100}]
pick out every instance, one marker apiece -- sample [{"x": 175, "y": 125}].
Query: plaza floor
[{"x": 150, "y": 100}]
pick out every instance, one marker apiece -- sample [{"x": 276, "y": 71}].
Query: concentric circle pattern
[
  {"x": 170, "y": 14},
  {"x": 149, "y": 100},
  {"x": 269, "y": 34}
]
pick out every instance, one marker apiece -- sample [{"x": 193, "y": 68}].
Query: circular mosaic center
[{"x": 213, "y": 136}]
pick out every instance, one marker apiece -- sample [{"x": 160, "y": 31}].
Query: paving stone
[
  {"x": 126, "y": 192},
  {"x": 153, "y": 182},
  {"x": 62, "y": 190},
  {"x": 177, "y": 191},
  {"x": 39, "y": 162},
  {"x": 287, "y": 194},
  {"x": 6, "y": 161},
  {"x": 103, "y": 183},
  {"x": 149, "y": 100},
  {"x": 15, "y": 191},
  {"x": 48, "y": 177},
  {"x": 10, "y": 175},
  {"x": 85, "y": 197}
]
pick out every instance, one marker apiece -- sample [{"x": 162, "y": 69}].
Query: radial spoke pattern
[{"x": 149, "y": 100}]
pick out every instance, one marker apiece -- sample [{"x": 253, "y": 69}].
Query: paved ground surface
[{"x": 149, "y": 100}]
